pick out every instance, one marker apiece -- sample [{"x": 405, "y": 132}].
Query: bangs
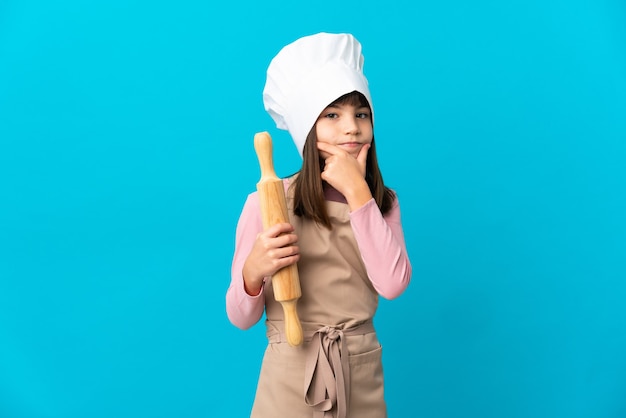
[{"x": 352, "y": 99}]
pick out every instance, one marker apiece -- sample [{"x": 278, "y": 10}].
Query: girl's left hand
[{"x": 346, "y": 173}]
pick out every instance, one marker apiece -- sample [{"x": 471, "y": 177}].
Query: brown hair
[{"x": 308, "y": 186}]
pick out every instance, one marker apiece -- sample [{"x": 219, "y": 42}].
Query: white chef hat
[{"x": 309, "y": 74}]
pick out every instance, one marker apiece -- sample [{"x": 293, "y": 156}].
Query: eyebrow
[{"x": 337, "y": 106}]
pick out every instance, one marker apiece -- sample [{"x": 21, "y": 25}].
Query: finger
[
  {"x": 286, "y": 240},
  {"x": 278, "y": 229},
  {"x": 329, "y": 148},
  {"x": 285, "y": 261},
  {"x": 362, "y": 157},
  {"x": 290, "y": 251}
]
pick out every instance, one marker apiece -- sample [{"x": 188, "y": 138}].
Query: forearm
[
  {"x": 357, "y": 195},
  {"x": 383, "y": 250},
  {"x": 244, "y": 308}
]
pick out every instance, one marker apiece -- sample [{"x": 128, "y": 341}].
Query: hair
[{"x": 308, "y": 186}]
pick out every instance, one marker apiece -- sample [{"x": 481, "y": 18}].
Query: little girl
[{"x": 344, "y": 233}]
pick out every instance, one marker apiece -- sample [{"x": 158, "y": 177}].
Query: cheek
[
  {"x": 366, "y": 127},
  {"x": 323, "y": 154},
  {"x": 368, "y": 132},
  {"x": 323, "y": 133}
]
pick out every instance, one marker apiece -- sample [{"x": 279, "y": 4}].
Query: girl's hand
[
  {"x": 346, "y": 173},
  {"x": 274, "y": 248}
]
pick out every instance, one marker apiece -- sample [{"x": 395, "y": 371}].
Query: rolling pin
[{"x": 285, "y": 281}]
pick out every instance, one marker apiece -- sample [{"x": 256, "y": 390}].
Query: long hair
[{"x": 308, "y": 186}]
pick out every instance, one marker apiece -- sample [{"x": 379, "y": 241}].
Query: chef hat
[{"x": 309, "y": 74}]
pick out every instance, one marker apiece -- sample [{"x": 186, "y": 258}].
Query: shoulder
[{"x": 251, "y": 203}]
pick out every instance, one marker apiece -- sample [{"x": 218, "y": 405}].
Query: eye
[
  {"x": 363, "y": 115},
  {"x": 331, "y": 115}
]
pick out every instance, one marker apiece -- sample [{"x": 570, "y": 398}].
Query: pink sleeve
[
  {"x": 242, "y": 309},
  {"x": 381, "y": 242}
]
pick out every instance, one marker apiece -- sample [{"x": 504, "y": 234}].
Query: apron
[{"x": 337, "y": 371}]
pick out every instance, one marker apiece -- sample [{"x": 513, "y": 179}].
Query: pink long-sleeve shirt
[{"x": 380, "y": 240}]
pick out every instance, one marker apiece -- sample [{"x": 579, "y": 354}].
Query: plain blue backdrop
[{"x": 126, "y": 153}]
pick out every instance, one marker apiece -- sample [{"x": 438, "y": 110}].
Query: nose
[{"x": 351, "y": 126}]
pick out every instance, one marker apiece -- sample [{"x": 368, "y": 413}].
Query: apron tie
[
  {"x": 327, "y": 368},
  {"x": 327, "y": 373}
]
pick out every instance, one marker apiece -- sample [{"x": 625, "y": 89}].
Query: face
[{"x": 347, "y": 126}]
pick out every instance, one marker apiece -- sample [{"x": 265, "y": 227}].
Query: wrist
[
  {"x": 358, "y": 195},
  {"x": 251, "y": 284},
  {"x": 252, "y": 290}
]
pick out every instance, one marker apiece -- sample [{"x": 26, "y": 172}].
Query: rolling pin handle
[
  {"x": 263, "y": 148},
  {"x": 293, "y": 328}
]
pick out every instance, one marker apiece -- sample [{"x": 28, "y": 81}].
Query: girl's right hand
[{"x": 273, "y": 249}]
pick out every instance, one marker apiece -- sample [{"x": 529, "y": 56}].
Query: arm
[
  {"x": 259, "y": 254},
  {"x": 245, "y": 310},
  {"x": 385, "y": 256},
  {"x": 380, "y": 239}
]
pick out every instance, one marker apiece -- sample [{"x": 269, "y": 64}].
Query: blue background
[{"x": 126, "y": 153}]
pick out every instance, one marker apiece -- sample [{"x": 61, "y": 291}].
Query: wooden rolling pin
[{"x": 285, "y": 281}]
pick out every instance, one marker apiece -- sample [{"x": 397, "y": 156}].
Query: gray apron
[{"x": 337, "y": 371}]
